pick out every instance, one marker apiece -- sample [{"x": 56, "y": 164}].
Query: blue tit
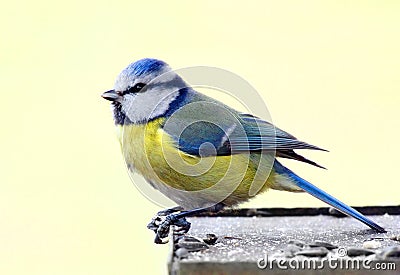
[{"x": 183, "y": 142}]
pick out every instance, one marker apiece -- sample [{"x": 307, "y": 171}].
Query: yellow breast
[{"x": 151, "y": 152}]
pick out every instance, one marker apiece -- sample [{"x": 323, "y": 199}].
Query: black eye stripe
[{"x": 135, "y": 89}]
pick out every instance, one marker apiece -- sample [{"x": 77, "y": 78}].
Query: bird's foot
[
  {"x": 161, "y": 226},
  {"x": 162, "y": 223},
  {"x": 160, "y": 216}
]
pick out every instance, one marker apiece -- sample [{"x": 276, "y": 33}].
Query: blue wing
[
  {"x": 262, "y": 135},
  {"x": 234, "y": 133}
]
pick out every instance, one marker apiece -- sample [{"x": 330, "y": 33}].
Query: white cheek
[
  {"x": 146, "y": 106},
  {"x": 129, "y": 99}
]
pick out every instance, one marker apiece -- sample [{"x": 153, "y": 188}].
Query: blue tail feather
[{"x": 325, "y": 197}]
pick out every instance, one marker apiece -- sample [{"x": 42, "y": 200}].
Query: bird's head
[{"x": 144, "y": 91}]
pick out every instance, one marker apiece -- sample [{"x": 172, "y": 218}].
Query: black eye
[{"x": 135, "y": 89}]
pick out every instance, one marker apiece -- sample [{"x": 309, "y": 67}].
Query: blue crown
[{"x": 145, "y": 66}]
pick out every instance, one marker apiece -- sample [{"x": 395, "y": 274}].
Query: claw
[
  {"x": 158, "y": 240},
  {"x": 154, "y": 224},
  {"x": 162, "y": 227}
]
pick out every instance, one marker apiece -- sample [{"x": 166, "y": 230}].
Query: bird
[{"x": 199, "y": 152}]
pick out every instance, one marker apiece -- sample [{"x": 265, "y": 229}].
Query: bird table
[{"x": 284, "y": 241}]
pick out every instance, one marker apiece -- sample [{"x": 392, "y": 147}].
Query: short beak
[{"x": 111, "y": 95}]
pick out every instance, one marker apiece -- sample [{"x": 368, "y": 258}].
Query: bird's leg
[
  {"x": 180, "y": 221},
  {"x": 168, "y": 211}
]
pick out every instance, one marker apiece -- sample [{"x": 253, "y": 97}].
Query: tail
[
  {"x": 325, "y": 197},
  {"x": 290, "y": 154}
]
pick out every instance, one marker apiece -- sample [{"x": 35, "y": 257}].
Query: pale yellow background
[{"x": 328, "y": 71}]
